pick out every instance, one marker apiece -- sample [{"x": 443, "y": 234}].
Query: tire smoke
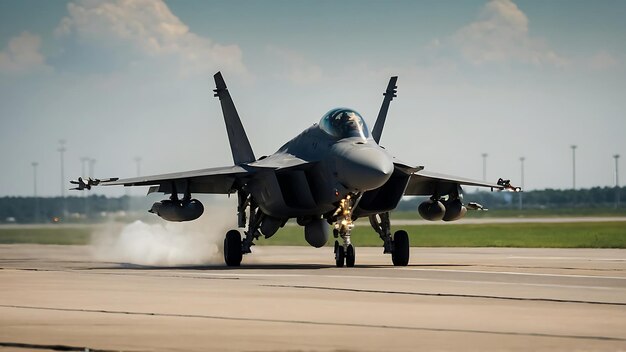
[{"x": 165, "y": 243}]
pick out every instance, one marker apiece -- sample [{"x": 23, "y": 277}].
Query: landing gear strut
[
  {"x": 234, "y": 247},
  {"x": 398, "y": 245},
  {"x": 343, "y": 228}
]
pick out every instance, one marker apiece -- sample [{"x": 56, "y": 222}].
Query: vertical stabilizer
[
  {"x": 389, "y": 94},
  {"x": 239, "y": 143}
]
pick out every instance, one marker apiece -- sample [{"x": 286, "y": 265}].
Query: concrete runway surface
[{"x": 294, "y": 299}]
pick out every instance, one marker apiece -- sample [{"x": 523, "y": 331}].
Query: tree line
[
  {"x": 596, "y": 197},
  {"x": 98, "y": 207}
]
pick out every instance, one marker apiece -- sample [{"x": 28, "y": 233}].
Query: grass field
[
  {"x": 526, "y": 213},
  {"x": 46, "y": 235},
  {"x": 532, "y": 235}
]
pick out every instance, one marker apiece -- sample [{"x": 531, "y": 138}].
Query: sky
[{"x": 117, "y": 80}]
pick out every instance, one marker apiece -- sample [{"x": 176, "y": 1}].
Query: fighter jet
[{"x": 325, "y": 178}]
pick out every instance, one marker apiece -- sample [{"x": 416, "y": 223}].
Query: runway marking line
[
  {"x": 516, "y": 273},
  {"x": 237, "y": 276},
  {"x": 533, "y": 299},
  {"x": 571, "y": 258},
  {"x": 309, "y": 322},
  {"x": 475, "y": 282}
]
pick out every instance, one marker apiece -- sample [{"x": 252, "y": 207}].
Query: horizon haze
[{"x": 124, "y": 79}]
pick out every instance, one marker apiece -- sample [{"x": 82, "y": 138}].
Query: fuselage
[{"x": 341, "y": 159}]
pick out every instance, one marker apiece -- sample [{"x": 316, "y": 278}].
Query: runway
[{"x": 294, "y": 299}]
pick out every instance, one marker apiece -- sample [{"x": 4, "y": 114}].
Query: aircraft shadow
[
  {"x": 253, "y": 266},
  {"x": 218, "y": 267}
]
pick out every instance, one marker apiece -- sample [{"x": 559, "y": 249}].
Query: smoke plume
[{"x": 165, "y": 243}]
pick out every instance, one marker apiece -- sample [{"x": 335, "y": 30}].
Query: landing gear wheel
[
  {"x": 350, "y": 256},
  {"x": 340, "y": 256},
  {"x": 400, "y": 254},
  {"x": 232, "y": 248}
]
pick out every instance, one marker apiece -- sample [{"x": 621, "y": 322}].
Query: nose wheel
[
  {"x": 340, "y": 255},
  {"x": 344, "y": 255},
  {"x": 350, "y": 256}
]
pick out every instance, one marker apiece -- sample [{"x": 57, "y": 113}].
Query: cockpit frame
[{"x": 344, "y": 123}]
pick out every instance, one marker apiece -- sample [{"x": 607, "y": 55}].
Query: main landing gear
[
  {"x": 234, "y": 246},
  {"x": 398, "y": 245}
]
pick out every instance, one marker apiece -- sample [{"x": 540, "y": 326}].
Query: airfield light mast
[
  {"x": 35, "y": 164},
  {"x": 83, "y": 167},
  {"x": 617, "y": 189},
  {"x": 485, "y": 166},
  {"x": 521, "y": 159},
  {"x": 61, "y": 151},
  {"x": 574, "y": 146},
  {"x": 91, "y": 162},
  {"x": 138, "y": 162},
  {"x": 83, "y": 163}
]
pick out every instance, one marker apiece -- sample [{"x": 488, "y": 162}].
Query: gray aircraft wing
[
  {"x": 426, "y": 183},
  {"x": 220, "y": 180}
]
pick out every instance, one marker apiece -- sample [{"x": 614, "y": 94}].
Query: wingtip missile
[
  {"x": 506, "y": 186},
  {"x": 82, "y": 185},
  {"x": 475, "y": 206}
]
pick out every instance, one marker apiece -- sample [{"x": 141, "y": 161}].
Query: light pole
[
  {"x": 138, "y": 162},
  {"x": 91, "y": 163},
  {"x": 83, "y": 168},
  {"x": 35, "y": 164},
  {"x": 574, "y": 166},
  {"x": 61, "y": 151},
  {"x": 522, "y": 183},
  {"x": 484, "y": 166},
  {"x": 617, "y": 189}
]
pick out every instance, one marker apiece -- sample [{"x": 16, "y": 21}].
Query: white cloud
[
  {"x": 297, "y": 69},
  {"x": 22, "y": 55},
  {"x": 150, "y": 29},
  {"x": 603, "y": 60},
  {"x": 500, "y": 35}
]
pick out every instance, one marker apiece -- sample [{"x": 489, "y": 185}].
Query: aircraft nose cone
[{"x": 363, "y": 167}]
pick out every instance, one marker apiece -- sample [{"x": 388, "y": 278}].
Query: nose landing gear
[{"x": 344, "y": 252}]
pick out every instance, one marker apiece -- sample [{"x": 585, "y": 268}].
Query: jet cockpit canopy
[{"x": 344, "y": 123}]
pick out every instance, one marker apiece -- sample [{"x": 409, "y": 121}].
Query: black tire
[
  {"x": 401, "y": 248},
  {"x": 232, "y": 248},
  {"x": 340, "y": 256},
  {"x": 350, "y": 256}
]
